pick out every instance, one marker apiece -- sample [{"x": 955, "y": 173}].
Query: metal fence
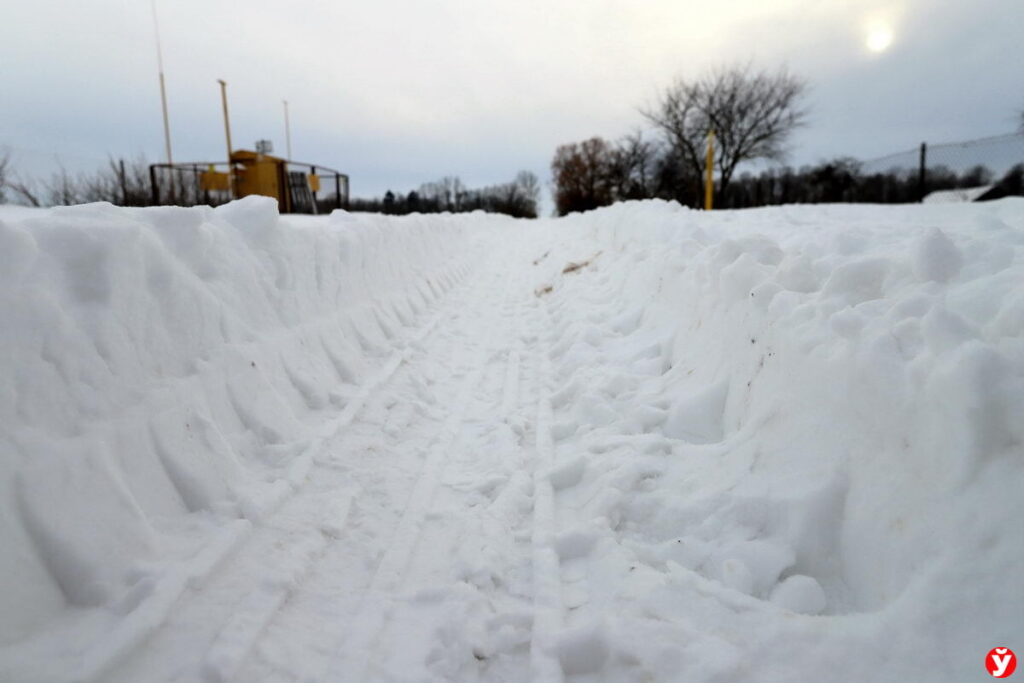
[
  {"x": 968, "y": 164},
  {"x": 182, "y": 184}
]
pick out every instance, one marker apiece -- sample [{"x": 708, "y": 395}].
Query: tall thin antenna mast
[
  {"x": 227, "y": 133},
  {"x": 163, "y": 90},
  {"x": 287, "y": 130}
]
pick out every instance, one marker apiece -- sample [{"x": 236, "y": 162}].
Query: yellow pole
[
  {"x": 227, "y": 133},
  {"x": 709, "y": 182}
]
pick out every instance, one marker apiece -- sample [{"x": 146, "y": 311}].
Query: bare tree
[
  {"x": 11, "y": 183},
  {"x": 121, "y": 183},
  {"x": 517, "y": 198},
  {"x": 454, "y": 191},
  {"x": 751, "y": 112},
  {"x": 64, "y": 189},
  {"x": 529, "y": 187},
  {"x": 582, "y": 176},
  {"x": 445, "y": 194},
  {"x": 632, "y": 167},
  {"x": 26, "y": 190}
]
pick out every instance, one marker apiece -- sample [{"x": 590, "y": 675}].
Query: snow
[
  {"x": 641, "y": 443},
  {"x": 965, "y": 194},
  {"x": 798, "y": 593}
]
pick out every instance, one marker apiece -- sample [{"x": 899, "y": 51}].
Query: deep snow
[{"x": 642, "y": 443}]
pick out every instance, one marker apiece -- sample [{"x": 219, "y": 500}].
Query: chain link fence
[
  {"x": 972, "y": 170},
  {"x": 983, "y": 168}
]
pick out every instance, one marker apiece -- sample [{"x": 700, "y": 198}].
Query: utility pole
[
  {"x": 163, "y": 94},
  {"x": 287, "y": 131},
  {"x": 227, "y": 133}
]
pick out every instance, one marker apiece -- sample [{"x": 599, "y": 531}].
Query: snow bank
[
  {"x": 168, "y": 361},
  {"x": 790, "y": 412},
  {"x": 788, "y": 443}
]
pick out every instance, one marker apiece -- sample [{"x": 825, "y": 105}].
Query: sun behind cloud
[{"x": 879, "y": 38}]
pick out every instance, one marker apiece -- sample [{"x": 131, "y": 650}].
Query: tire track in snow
[
  {"x": 513, "y": 367},
  {"x": 478, "y": 536},
  {"x": 353, "y": 657},
  {"x": 149, "y": 617},
  {"x": 153, "y": 613},
  {"x": 510, "y": 389},
  {"x": 239, "y": 633},
  {"x": 145, "y": 620},
  {"x": 567, "y": 641},
  {"x": 328, "y": 587},
  {"x": 299, "y": 468},
  {"x": 240, "y": 636},
  {"x": 245, "y": 627},
  {"x": 548, "y": 610}
]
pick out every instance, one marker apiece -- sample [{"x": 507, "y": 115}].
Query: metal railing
[{"x": 182, "y": 184}]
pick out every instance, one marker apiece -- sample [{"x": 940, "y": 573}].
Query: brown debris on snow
[{"x": 572, "y": 267}]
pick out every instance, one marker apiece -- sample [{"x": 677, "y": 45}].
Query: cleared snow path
[
  {"x": 638, "y": 444},
  {"x": 413, "y": 522}
]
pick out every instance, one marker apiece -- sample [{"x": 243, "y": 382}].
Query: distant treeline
[
  {"x": 596, "y": 173},
  {"x": 842, "y": 180},
  {"x": 119, "y": 182},
  {"x": 518, "y": 198},
  {"x": 127, "y": 183}
]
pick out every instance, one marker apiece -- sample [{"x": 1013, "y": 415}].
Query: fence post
[
  {"x": 124, "y": 185},
  {"x": 312, "y": 192},
  {"x": 154, "y": 192},
  {"x": 922, "y": 173}
]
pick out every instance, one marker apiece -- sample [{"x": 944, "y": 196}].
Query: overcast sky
[{"x": 398, "y": 92}]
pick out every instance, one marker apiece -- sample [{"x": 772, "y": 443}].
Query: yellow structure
[
  {"x": 261, "y": 174},
  {"x": 212, "y": 180},
  {"x": 293, "y": 184},
  {"x": 246, "y": 173}
]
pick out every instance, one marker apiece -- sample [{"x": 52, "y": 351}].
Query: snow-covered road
[{"x": 638, "y": 444}]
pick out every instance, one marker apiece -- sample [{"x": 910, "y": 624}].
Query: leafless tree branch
[{"x": 752, "y": 113}]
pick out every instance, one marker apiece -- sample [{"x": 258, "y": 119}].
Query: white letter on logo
[{"x": 1001, "y": 663}]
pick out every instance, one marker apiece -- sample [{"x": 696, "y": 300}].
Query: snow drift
[
  {"x": 786, "y": 441},
  {"x": 841, "y": 389},
  {"x": 161, "y": 362}
]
